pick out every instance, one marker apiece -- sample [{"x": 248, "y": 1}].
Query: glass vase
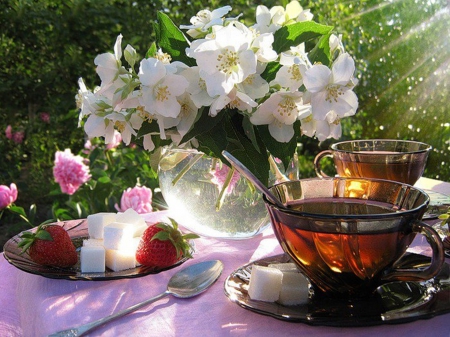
[{"x": 192, "y": 185}]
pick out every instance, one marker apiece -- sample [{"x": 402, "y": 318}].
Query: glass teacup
[
  {"x": 346, "y": 234},
  {"x": 398, "y": 160}
]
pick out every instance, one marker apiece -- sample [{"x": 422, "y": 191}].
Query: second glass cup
[{"x": 398, "y": 160}]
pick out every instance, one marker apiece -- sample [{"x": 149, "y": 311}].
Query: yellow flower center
[
  {"x": 333, "y": 92},
  {"x": 228, "y": 61},
  {"x": 294, "y": 70},
  {"x": 162, "y": 93},
  {"x": 286, "y": 107},
  {"x": 120, "y": 126},
  {"x": 145, "y": 115}
]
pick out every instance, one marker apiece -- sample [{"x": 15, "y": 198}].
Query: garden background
[{"x": 401, "y": 48}]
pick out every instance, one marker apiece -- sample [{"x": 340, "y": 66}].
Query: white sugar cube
[
  {"x": 96, "y": 223},
  {"x": 294, "y": 289},
  {"x": 284, "y": 267},
  {"x": 132, "y": 217},
  {"x": 93, "y": 242},
  {"x": 265, "y": 283},
  {"x": 92, "y": 259},
  {"x": 118, "y": 235},
  {"x": 118, "y": 260}
]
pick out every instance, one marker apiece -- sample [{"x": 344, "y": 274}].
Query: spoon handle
[{"x": 82, "y": 329}]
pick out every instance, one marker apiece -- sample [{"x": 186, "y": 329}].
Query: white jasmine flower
[
  {"x": 225, "y": 60},
  {"x": 197, "y": 87},
  {"x": 108, "y": 64},
  {"x": 293, "y": 13},
  {"x": 322, "y": 129},
  {"x": 254, "y": 86},
  {"x": 280, "y": 111},
  {"x": 187, "y": 114},
  {"x": 331, "y": 89},
  {"x": 294, "y": 64},
  {"x": 336, "y": 45},
  {"x": 160, "y": 88},
  {"x": 262, "y": 45},
  {"x": 205, "y": 19},
  {"x": 264, "y": 21}
]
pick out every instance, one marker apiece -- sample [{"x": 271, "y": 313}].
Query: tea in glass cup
[
  {"x": 398, "y": 160},
  {"x": 346, "y": 234}
]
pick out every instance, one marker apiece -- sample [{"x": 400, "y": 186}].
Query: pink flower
[
  {"x": 7, "y": 195},
  {"x": 18, "y": 136},
  {"x": 220, "y": 174},
  {"x": 45, "y": 117},
  {"x": 70, "y": 172},
  {"x": 138, "y": 198},
  {"x": 117, "y": 139},
  {"x": 8, "y": 132}
]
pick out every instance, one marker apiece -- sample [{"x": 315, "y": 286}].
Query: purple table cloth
[{"x": 32, "y": 305}]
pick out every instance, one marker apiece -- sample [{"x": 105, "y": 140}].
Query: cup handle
[
  {"x": 437, "y": 258},
  {"x": 323, "y": 154}
]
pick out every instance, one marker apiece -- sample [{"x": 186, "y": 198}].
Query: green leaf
[
  {"x": 18, "y": 210},
  {"x": 321, "y": 52},
  {"x": 271, "y": 71},
  {"x": 43, "y": 235},
  {"x": 172, "y": 40},
  {"x": 204, "y": 124},
  {"x": 243, "y": 149},
  {"x": 282, "y": 151},
  {"x": 151, "y": 52},
  {"x": 104, "y": 180},
  {"x": 293, "y": 35},
  {"x": 249, "y": 130}
]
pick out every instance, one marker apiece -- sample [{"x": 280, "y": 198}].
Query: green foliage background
[{"x": 401, "y": 48}]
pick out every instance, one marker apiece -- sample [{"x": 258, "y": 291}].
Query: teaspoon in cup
[{"x": 250, "y": 176}]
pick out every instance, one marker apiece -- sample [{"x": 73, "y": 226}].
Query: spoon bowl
[{"x": 186, "y": 283}]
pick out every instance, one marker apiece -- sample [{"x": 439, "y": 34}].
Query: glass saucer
[
  {"x": 393, "y": 302},
  {"x": 78, "y": 231}
]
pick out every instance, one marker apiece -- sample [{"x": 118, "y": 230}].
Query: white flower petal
[{"x": 343, "y": 69}]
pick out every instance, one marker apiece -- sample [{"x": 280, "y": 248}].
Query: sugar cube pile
[
  {"x": 281, "y": 282},
  {"x": 113, "y": 241}
]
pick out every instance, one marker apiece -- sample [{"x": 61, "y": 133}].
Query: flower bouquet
[{"x": 250, "y": 90}]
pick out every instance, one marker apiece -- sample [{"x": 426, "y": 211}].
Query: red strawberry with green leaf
[
  {"x": 163, "y": 245},
  {"x": 50, "y": 245}
]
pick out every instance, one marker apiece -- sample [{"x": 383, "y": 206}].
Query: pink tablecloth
[{"x": 32, "y": 305}]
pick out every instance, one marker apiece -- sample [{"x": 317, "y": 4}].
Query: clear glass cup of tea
[
  {"x": 348, "y": 234},
  {"x": 391, "y": 159}
]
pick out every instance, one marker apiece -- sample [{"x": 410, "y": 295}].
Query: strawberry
[
  {"x": 162, "y": 245},
  {"x": 50, "y": 245}
]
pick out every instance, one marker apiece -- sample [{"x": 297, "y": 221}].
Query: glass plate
[
  {"x": 393, "y": 302},
  {"x": 78, "y": 231}
]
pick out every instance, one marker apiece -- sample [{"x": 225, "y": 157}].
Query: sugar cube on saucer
[
  {"x": 130, "y": 216},
  {"x": 118, "y": 260},
  {"x": 294, "y": 289},
  {"x": 118, "y": 235},
  {"x": 265, "y": 283},
  {"x": 96, "y": 223},
  {"x": 92, "y": 259}
]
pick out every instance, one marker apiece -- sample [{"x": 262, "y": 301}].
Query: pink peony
[
  {"x": 7, "y": 195},
  {"x": 18, "y": 136},
  {"x": 45, "y": 117},
  {"x": 138, "y": 198},
  {"x": 69, "y": 171},
  {"x": 220, "y": 174},
  {"x": 8, "y": 132}
]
